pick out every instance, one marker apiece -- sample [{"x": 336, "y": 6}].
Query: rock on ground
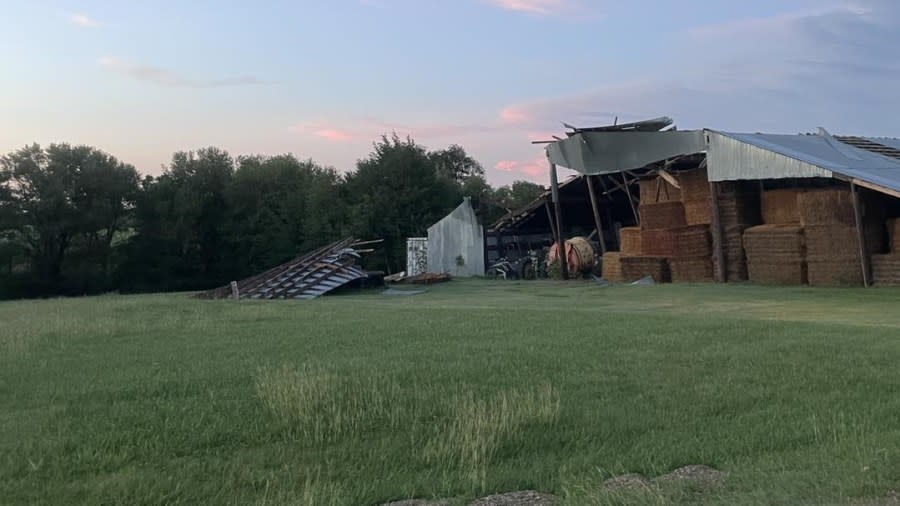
[
  {"x": 523, "y": 498},
  {"x": 417, "y": 502},
  {"x": 703, "y": 475},
  {"x": 627, "y": 481}
]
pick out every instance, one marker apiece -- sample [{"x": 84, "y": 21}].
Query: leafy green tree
[
  {"x": 181, "y": 238},
  {"x": 397, "y": 192},
  {"x": 518, "y": 194},
  {"x": 64, "y": 198},
  {"x": 281, "y": 207},
  {"x": 455, "y": 163}
]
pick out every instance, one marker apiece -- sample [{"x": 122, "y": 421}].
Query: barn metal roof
[{"x": 821, "y": 151}]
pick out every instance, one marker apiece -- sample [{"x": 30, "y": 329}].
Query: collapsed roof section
[
  {"x": 305, "y": 277},
  {"x": 869, "y": 162}
]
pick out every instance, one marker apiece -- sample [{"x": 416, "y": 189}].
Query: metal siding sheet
[
  {"x": 730, "y": 159},
  {"x": 457, "y": 235}
]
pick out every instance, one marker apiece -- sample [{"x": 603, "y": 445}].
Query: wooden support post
[
  {"x": 637, "y": 219},
  {"x": 551, "y": 220},
  {"x": 717, "y": 234},
  {"x": 560, "y": 236},
  {"x": 861, "y": 237},
  {"x": 589, "y": 180}
]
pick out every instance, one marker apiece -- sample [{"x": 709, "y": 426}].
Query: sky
[{"x": 324, "y": 79}]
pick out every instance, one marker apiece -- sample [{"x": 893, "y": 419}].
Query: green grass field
[{"x": 469, "y": 389}]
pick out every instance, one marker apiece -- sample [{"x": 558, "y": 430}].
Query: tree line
[{"x": 75, "y": 220}]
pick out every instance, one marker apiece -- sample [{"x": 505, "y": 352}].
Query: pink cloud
[
  {"x": 334, "y": 135},
  {"x": 515, "y": 115},
  {"x": 542, "y": 7},
  {"x": 535, "y": 169}
]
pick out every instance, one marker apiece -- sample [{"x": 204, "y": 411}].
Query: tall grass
[
  {"x": 320, "y": 406},
  {"x": 480, "y": 426}
]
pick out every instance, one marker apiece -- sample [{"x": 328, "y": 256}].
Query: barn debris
[{"x": 305, "y": 277}]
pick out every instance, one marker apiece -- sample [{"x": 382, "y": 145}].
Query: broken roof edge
[{"x": 607, "y": 152}]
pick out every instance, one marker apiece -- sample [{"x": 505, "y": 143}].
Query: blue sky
[{"x": 323, "y": 79}]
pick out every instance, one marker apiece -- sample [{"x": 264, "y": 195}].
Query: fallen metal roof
[{"x": 305, "y": 277}]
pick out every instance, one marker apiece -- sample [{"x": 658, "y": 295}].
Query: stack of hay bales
[
  {"x": 832, "y": 243},
  {"x": 612, "y": 266},
  {"x": 695, "y": 196},
  {"x": 691, "y": 261},
  {"x": 739, "y": 210},
  {"x": 655, "y": 190},
  {"x": 886, "y": 267},
  {"x": 775, "y": 254},
  {"x": 776, "y": 250},
  {"x": 645, "y": 251}
]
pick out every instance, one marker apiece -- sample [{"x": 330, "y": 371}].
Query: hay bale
[
  {"x": 834, "y": 270},
  {"x": 662, "y": 215},
  {"x": 658, "y": 243},
  {"x": 694, "y": 185},
  {"x": 780, "y": 206},
  {"x": 765, "y": 243},
  {"x": 826, "y": 206},
  {"x": 698, "y": 212},
  {"x": 739, "y": 209},
  {"x": 778, "y": 272},
  {"x": 893, "y": 227},
  {"x": 656, "y": 189},
  {"x": 637, "y": 267},
  {"x": 842, "y": 240},
  {"x": 630, "y": 240},
  {"x": 693, "y": 241},
  {"x": 692, "y": 270},
  {"x": 886, "y": 269},
  {"x": 735, "y": 269},
  {"x": 612, "y": 267},
  {"x": 834, "y": 239}
]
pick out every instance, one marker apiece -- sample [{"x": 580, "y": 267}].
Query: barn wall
[{"x": 458, "y": 234}]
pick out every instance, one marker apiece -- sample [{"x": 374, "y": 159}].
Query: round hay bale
[
  {"x": 658, "y": 242},
  {"x": 698, "y": 212},
  {"x": 662, "y": 215},
  {"x": 780, "y": 206},
  {"x": 580, "y": 254},
  {"x": 826, "y": 206},
  {"x": 834, "y": 270},
  {"x": 692, "y": 270},
  {"x": 630, "y": 240}
]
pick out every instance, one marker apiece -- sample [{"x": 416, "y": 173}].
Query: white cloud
[{"x": 84, "y": 21}]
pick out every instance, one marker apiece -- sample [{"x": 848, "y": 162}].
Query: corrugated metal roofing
[
  {"x": 886, "y": 141},
  {"x": 828, "y": 153},
  {"x": 306, "y": 277}
]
